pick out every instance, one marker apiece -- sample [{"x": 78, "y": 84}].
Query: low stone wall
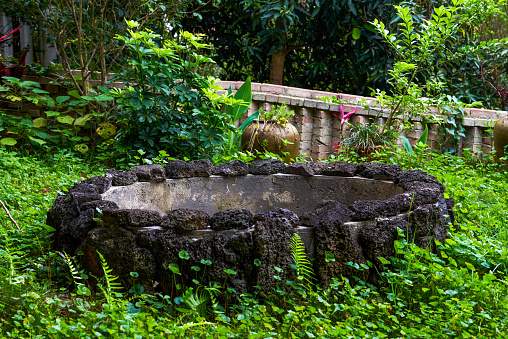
[
  {"x": 315, "y": 119},
  {"x": 138, "y": 234}
]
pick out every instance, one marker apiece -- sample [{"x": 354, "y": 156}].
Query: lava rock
[
  {"x": 426, "y": 222},
  {"x": 338, "y": 168},
  {"x": 82, "y": 198},
  {"x": 150, "y": 173},
  {"x": 231, "y": 169},
  {"x": 102, "y": 183},
  {"x": 450, "y": 203},
  {"x": 201, "y": 168},
  {"x": 370, "y": 209},
  {"x": 231, "y": 219},
  {"x": 231, "y": 250},
  {"x": 102, "y": 205},
  {"x": 185, "y": 220},
  {"x": 280, "y": 213},
  {"x": 121, "y": 178},
  {"x": 131, "y": 217},
  {"x": 267, "y": 166},
  {"x": 336, "y": 238},
  {"x": 326, "y": 210},
  {"x": 300, "y": 168},
  {"x": 83, "y": 187},
  {"x": 118, "y": 247},
  {"x": 271, "y": 238},
  {"x": 377, "y": 239},
  {"x": 412, "y": 179},
  {"x": 378, "y": 171},
  {"x": 178, "y": 169}
]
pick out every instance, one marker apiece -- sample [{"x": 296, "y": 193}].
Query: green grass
[{"x": 460, "y": 293}]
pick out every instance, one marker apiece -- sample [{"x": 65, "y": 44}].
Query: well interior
[{"x": 256, "y": 193}]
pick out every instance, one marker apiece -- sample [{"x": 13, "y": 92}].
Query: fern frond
[
  {"x": 303, "y": 265},
  {"x": 111, "y": 286}
]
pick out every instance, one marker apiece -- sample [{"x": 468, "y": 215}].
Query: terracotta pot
[
  {"x": 501, "y": 137},
  {"x": 268, "y": 136}
]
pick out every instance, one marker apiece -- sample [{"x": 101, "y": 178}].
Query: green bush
[{"x": 167, "y": 105}]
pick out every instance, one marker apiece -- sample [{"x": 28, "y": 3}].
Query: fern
[
  {"x": 110, "y": 292},
  {"x": 197, "y": 302},
  {"x": 303, "y": 266},
  {"x": 76, "y": 276}
]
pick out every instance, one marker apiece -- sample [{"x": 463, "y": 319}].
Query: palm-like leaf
[{"x": 303, "y": 265}]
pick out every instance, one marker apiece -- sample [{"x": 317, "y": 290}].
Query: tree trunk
[{"x": 277, "y": 68}]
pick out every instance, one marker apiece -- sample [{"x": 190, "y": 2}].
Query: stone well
[{"x": 231, "y": 215}]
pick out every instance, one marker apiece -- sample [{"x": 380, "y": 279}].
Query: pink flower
[
  {"x": 343, "y": 117},
  {"x": 45, "y": 191},
  {"x": 81, "y": 176}
]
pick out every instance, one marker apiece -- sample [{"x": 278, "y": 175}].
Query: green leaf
[
  {"x": 244, "y": 93},
  {"x": 423, "y": 138},
  {"x": 74, "y": 93},
  {"x": 39, "y": 141},
  {"x": 81, "y": 148},
  {"x": 249, "y": 120},
  {"x": 65, "y": 119},
  {"x": 81, "y": 121},
  {"x": 62, "y": 99},
  {"x": 52, "y": 113},
  {"x": 407, "y": 145},
  {"x": 8, "y": 141},
  {"x": 40, "y": 122},
  {"x": 357, "y": 33},
  {"x": 183, "y": 255}
]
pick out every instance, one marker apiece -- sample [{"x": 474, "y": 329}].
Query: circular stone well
[{"x": 231, "y": 215}]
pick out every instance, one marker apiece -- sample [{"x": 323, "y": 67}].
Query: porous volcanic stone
[
  {"x": 377, "y": 239},
  {"x": 118, "y": 246},
  {"x": 82, "y": 198},
  {"x": 102, "y": 183},
  {"x": 267, "y": 166},
  {"x": 185, "y": 220},
  {"x": 231, "y": 219},
  {"x": 178, "y": 169},
  {"x": 131, "y": 217},
  {"x": 427, "y": 223},
  {"x": 102, "y": 205},
  {"x": 369, "y": 209},
  {"x": 413, "y": 179},
  {"x": 83, "y": 187},
  {"x": 280, "y": 213},
  {"x": 121, "y": 178},
  {"x": 231, "y": 250},
  {"x": 271, "y": 246},
  {"x": 150, "y": 173},
  {"x": 326, "y": 210},
  {"x": 338, "y": 168},
  {"x": 201, "y": 168},
  {"x": 300, "y": 168},
  {"x": 231, "y": 169},
  {"x": 450, "y": 203},
  {"x": 336, "y": 238},
  {"x": 62, "y": 216},
  {"x": 378, "y": 171}
]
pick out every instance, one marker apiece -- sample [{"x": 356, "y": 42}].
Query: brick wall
[{"x": 315, "y": 118}]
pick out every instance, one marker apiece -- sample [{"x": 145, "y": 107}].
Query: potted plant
[{"x": 272, "y": 132}]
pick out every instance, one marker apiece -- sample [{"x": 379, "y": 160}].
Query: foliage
[
  {"x": 415, "y": 49},
  {"x": 84, "y": 31},
  {"x": 459, "y": 292},
  {"x": 68, "y": 118},
  {"x": 279, "y": 114},
  {"x": 364, "y": 138},
  {"x": 167, "y": 105},
  {"x": 304, "y": 271},
  {"x": 327, "y": 45}
]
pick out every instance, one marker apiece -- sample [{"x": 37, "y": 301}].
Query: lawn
[{"x": 460, "y": 292}]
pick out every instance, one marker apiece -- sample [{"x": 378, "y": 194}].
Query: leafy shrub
[{"x": 167, "y": 105}]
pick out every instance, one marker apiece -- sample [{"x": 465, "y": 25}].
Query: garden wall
[{"x": 315, "y": 119}]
